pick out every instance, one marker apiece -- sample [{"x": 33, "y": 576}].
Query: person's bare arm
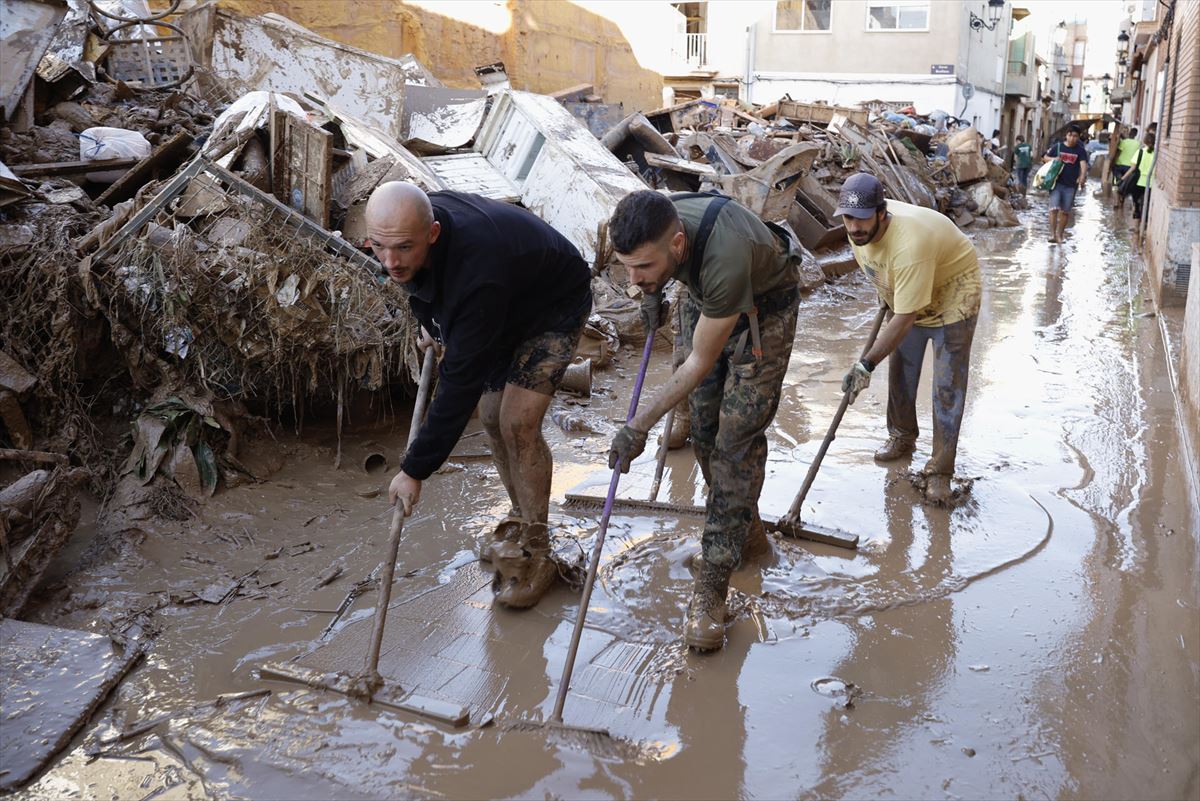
[
  {"x": 707, "y": 341},
  {"x": 890, "y": 337}
]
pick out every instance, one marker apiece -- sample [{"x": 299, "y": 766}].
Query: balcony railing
[
  {"x": 692, "y": 49},
  {"x": 1018, "y": 68}
]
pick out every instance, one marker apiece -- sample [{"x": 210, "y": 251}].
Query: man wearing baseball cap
[{"x": 927, "y": 274}]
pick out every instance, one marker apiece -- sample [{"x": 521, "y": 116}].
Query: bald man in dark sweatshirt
[{"x": 508, "y": 298}]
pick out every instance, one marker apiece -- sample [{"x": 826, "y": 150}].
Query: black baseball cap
[{"x": 861, "y": 196}]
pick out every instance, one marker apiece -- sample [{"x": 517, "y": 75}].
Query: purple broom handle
[{"x": 569, "y": 666}]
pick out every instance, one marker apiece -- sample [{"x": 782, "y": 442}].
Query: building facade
[
  {"x": 1162, "y": 84},
  {"x": 923, "y": 53},
  {"x": 1159, "y": 71}
]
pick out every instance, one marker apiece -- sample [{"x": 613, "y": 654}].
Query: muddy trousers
[
  {"x": 730, "y": 412},
  {"x": 951, "y": 365}
]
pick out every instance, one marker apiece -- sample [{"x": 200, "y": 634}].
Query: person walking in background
[
  {"x": 1022, "y": 163},
  {"x": 1071, "y": 178},
  {"x": 1124, "y": 154},
  {"x": 1141, "y": 189}
]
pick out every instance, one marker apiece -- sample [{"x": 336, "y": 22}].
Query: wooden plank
[
  {"x": 71, "y": 167},
  {"x": 819, "y": 113},
  {"x": 40, "y": 457},
  {"x": 309, "y": 175},
  {"x": 679, "y": 165},
  {"x": 164, "y": 158},
  {"x": 280, "y": 157}
]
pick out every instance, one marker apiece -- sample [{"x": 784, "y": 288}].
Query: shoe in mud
[
  {"x": 704, "y": 629},
  {"x": 524, "y": 570},
  {"x": 895, "y": 448},
  {"x": 507, "y": 530},
  {"x": 937, "y": 490}
]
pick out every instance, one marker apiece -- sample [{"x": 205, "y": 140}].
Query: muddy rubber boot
[
  {"x": 681, "y": 427},
  {"x": 507, "y": 530},
  {"x": 895, "y": 448},
  {"x": 524, "y": 571},
  {"x": 937, "y": 490},
  {"x": 707, "y": 611}
]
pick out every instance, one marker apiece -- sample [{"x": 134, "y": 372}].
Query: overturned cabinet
[{"x": 530, "y": 149}]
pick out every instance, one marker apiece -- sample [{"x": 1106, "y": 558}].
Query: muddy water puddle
[{"x": 1039, "y": 640}]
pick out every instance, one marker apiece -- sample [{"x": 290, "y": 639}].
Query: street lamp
[
  {"x": 995, "y": 10},
  {"x": 1122, "y": 37}
]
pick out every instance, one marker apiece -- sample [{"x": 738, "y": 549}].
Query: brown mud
[{"x": 1040, "y": 639}]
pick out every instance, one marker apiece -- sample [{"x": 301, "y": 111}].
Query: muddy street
[{"x": 1040, "y": 640}]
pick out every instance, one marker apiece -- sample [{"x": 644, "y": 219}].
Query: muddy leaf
[
  {"x": 151, "y": 461},
  {"x": 186, "y": 471},
  {"x": 206, "y": 462}
]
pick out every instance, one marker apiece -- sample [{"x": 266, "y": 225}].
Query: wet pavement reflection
[{"x": 1041, "y": 640}]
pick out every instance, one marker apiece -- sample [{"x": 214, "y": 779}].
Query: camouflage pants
[{"x": 730, "y": 411}]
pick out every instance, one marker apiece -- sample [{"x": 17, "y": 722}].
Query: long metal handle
[
  {"x": 585, "y": 597},
  {"x": 388, "y": 572},
  {"x": 670, "y": 422},
  {"x": 794, "y": 511},
  {"x": 662, "y": 454},
  {"x": 385, "y": 588},
  {"x": 423, "y": 388}
]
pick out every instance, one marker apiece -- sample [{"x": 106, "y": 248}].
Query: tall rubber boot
[
  {"x": 707, "y": 611},
  {"x": 524, "y": 571}
]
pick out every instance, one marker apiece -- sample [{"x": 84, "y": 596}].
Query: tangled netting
[
  {"x": 44, "y": 324},
  {"x": 235, "y": 300}
]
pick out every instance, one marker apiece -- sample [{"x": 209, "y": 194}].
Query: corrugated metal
[{"x": 471, "y": 172}]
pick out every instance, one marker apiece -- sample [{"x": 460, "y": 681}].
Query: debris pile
[
  {"x": 183, "y": 233},
  {"x": 787, "y": 160}
]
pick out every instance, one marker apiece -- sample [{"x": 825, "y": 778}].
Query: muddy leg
[
  {"x": 489, "y": 415},
  {"x": 521, "y": 414},
  {"x": 951, "y": 366},
  {"x": 904, "y": 374}
]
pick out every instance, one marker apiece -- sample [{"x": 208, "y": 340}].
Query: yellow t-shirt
[
  {"x": 1127, "y": 150},
  {"x": 924, "y": 264},
  {"x": 1144, "y": 167}
]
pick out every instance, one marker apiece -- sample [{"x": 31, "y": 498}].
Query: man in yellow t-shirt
[
  {"x": 1124, "y": 157},
  {"x": 927, "y": 273}
]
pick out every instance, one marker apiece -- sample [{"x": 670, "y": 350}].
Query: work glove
[
  {"x": 655, "y": 311},
  {"x": 855, "y": 381},
  {"x": 627, "y": 445}
]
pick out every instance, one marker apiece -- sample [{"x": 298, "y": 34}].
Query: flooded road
[{"x": 1041, "y": 640}]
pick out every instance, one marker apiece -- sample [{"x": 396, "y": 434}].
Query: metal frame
[{"x": 201, "y": 164}]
